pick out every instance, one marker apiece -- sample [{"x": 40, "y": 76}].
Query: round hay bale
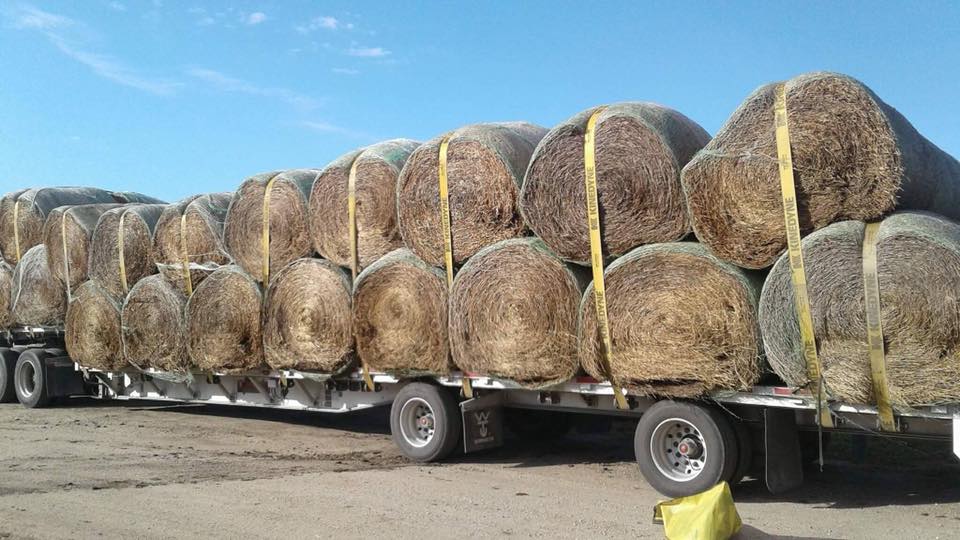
[
  {"x": 682, "y": 322},
  {"x": 36, "y": 204},
  {"x": 36, "y": 297},
  {"x": 513, "y": 314},
  {"x": 288, "y": 217},
  {"x": 138, "y": 224},
  {"x": 192, "y": 227},
  {"x": 154, "y": 326},
  {"x": 854, "y": 157},
  {"x": 377, "y": 169},
  {"x": 71, "y": 226},
  {"x": 307, "y": 318},
  {"x": 223, "y": 322},
  {"x": 92, "y": 332},
  {"x": 400, "y": 316},
  {"x": 6, "y": 286},
  {"x": 918, "y": 266},
  {"x": 640, "y": 150},
  {"x": 485, "y": 166}
]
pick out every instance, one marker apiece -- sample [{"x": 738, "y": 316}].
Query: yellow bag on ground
[{"x": 710, "y": 515}]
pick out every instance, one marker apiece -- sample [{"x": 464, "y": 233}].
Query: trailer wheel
[
  {"x": 8, "y": 364},
  {"x": 425, "y": 422},
  {"x": 29, "y": 379},
  {"x": 684, "y": 448}
]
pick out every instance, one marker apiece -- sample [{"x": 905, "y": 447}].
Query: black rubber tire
[
  {"x": 38, "y": 398},
  {"x": 448, "y": 423},
  {"x": 8, "y": 363},
  {"x": 744, "y": 451},
  {"x": 718, "y": 436},
  {"x": 534, "y": 425}
]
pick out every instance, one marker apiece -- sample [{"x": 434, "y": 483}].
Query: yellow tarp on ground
[{"x": 710, "y": 515}]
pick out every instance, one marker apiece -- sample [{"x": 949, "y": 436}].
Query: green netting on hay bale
[
  {"x": 485, "y": 166},
  {"x": 640, "y": 150},
  {"x": 32, "y": 206},
  {"x": 288, "y": 218},
  {"x": 378, "y": 167},
  {"x": 400, "y": 316},
  {"x": 223, "y": 322},
  {"x": 37, "y": 298},
  {"x": 513, "y": 314},
  {"x": 6, "y": 286},
  {"x": 682, "y": 322},
  {"x": 139, "y": 222},
  {"x": 918, "y": 266},
  {"x": 92, "y": 329},
  {"x": 854, "y": 157},
  {"x": 154, "y": 326},
  {"x": 191, "y": 232}
]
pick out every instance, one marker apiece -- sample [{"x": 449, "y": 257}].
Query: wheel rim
[
  {"x": 27, "y": 380},
  {"x": 678, "y": 450},
  {"x": 417, "y": 422}
]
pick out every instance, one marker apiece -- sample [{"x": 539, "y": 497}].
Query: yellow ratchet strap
[
  {"x": 16, "y": 228},
  {"x": 871, "y": 295},
  {"x": 797, "y": 272},
  {"x": 66, "y": 260},
  {"x": 596, "y": 254},
  {"x": 448, "y": 237},
  {"x": 265, "y": 236},
  {"x": 123, "y": 265},
  {"x": 354, "y": 250},
  {"x": 184, "y": 253}
]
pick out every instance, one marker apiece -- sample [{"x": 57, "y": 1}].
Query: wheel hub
[{"x": 689, "y": 448}]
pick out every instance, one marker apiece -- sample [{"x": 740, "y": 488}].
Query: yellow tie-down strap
[
  {"x": 66, "y": 257},
  {"x": 596, "y": 255},
  {"x": 265, "y": 235},
  {"x": 120, "y": 255},
  {"x": 354, "y": 249},
  {"x": 871, "y": 296},
  {"x": 185, "y": 254},
  {"x": 16, "y": 228},
  {"x": 797, "y": 272},
  {"x": 448, "y": 236}
]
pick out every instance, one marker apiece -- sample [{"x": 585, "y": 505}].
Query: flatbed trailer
[{"x": 681, "y": 446}]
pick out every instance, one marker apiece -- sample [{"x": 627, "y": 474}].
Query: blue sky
[{"x": 179, "y": 97}]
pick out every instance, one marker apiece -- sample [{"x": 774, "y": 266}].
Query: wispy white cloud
[
  {"x": 326, "y": 127},
  {"x": 30, "y": 18},
  {"x": 255, "y": 18},
  {"x": 325, "y": 22},
  {"x": 118, "y": 6},
  {"x": 346, "y": 71},
  {"x": 226, "y": 83},
  {"x": 368, "y": 52}
]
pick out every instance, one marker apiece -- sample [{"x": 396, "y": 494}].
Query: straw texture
[
  {"x": 191, "y": 231},
  {"x": 36, "y": 297},
  {"x": 138, "y": 222},
  {"x": 92, "y": 332},
  {"x": 223, "y": 322},
  {"x": 71, "y": 226},
  {"x": 154, "y": 326}
]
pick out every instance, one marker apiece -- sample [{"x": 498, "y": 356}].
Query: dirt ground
[{"x": 109, "y": 469}]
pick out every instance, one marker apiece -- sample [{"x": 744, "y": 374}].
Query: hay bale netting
[
  {"x": 138, "y": 222},
  {"x": 683, "y": 323},
  {"x": 378, "y": 167},
  {"x": 6, "y": 285},
  {"x": 223, "y": 322},
  {"x": 854, "y": 157},
  {"x": 513, "y": 314},
  {"x": 640, "y": 150},
  {"x": 71, "y": 226},
  {"x": 307, "y": 318},
  {"x": 192, "y": 227},
  {"x": 154, "y": 325},
  {"x": 92, "y": 332},
  {"x": 288, "y": 218},
  {"x": 918, "y": 265},
  {"x": 36, "y": 297},
  {"x": 400, "y": 316},
  {"x": 32, "y": 207},
  {"x": 485, "y": 166}
]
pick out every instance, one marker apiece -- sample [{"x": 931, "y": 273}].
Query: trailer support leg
[{"x": 783, "y": 462}]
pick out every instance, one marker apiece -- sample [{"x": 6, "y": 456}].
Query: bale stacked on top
[
  {"x": 307, "y": 318},
  {"x": 36, "y": 297},
  {"x": 854, "y": 157},
  {"x": 188, "y": 240},
  {"x": 640, "y": 150},
  {"x": 32, "y": 206},
  {"x": 289, "y": 230},
  {"x": 377, "y": 169},
  {"x": 71, "y": 228},
  {"x": 92, "y": 332},
  {"x": 6, "y": 284},
  {"x": 223, "y": 322},
  {"x": 114, "y": 265},
  {"x": 400, "y": 316},
  {"x": 485, "y": 166},
  {"x": 513, "y": 314},
  {"x": 918, "y": 266},
  {"x": 154, "y": 325},
  {"x": 683, "y": 323}
]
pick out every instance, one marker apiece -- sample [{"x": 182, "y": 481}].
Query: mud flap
[
  {"x": 783, "y": 465},
  {"x": 62, "y": 377},
  {"x": 482, "y": 422}
]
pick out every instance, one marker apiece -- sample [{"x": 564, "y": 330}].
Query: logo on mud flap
[{"x": 482, "y": 418}]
